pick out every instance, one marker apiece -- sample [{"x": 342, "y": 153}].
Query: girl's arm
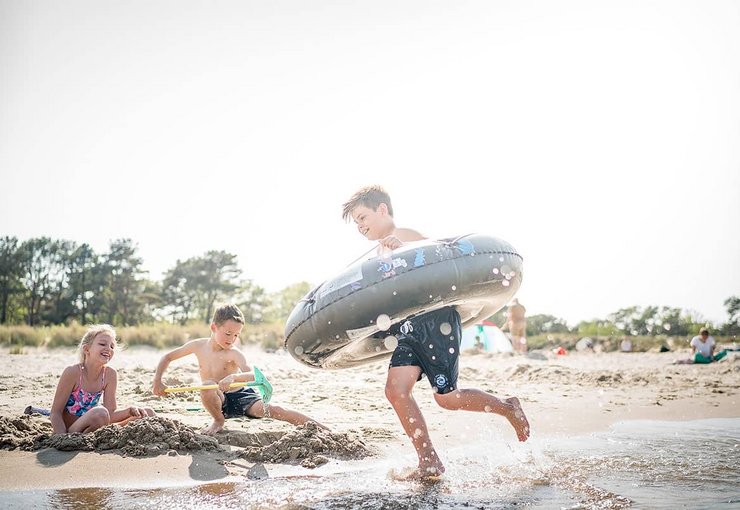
[
  {"x": 109, "y": 402},
  {"x": 64, "y": 389},
  {"x": 109, "y": 396}
]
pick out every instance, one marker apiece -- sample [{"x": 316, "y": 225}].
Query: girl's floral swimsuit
[{"x": 81, "y": 401}]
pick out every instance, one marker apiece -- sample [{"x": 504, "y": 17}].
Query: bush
[
  {"x": 269, "y": 336},
  {"x": 158, "y": 336},
  {"x": 22, "y": 336},
  {"x": 66, "y": 336}
]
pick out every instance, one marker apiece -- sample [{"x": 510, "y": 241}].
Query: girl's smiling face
[{"x": 101, "y": 349}]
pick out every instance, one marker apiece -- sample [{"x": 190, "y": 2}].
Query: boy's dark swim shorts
[
  {"x": 237, "y": 403},
  {"x": 430, "y": 341}
]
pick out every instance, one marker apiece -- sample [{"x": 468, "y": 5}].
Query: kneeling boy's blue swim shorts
[{"x": 237, "y": 403}]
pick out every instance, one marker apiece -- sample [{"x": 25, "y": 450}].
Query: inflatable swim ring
[{"x": 339, "y": 323}]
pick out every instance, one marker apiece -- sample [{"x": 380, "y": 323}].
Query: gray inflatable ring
[{"x": 340, "y": 323}]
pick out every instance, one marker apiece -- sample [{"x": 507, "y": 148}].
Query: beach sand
[{"x": 561, "y": 395}]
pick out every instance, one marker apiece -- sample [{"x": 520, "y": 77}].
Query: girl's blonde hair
[{"x": 90, "y": 335}]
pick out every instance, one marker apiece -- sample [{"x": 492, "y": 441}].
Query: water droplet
[
  {"x": 390, "y": 342},
  {"x": 434, "y": 357},
  {"x": 667, "y": 326},
  {"x": 501, "y": 259},
  {"x": 298, "y": 350},
  {"x": 394, "y": 293},
  {"x": 431, "y": 346},
  {"x": 336, "y": 336},
  {"x": 452, "y": 351},
  {"x": 454, "y": 287},
  {"x": 495, "y": 270},
  {"x": 445, "y": 328},
  {"x": 487, "y": 409},
  {"x": 329, "y": 322},
  {"x": 377, "y": 348},
  {"x": 505, "y": 283},
  {"x": 412, "y": 420},
  {"x": 383, "y": 322}
]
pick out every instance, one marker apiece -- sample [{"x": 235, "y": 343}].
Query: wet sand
[{"x": 561, "y": 395}]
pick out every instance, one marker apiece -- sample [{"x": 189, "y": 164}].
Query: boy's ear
[
  {"x": 213, "y": 327},
  {"x": 382, "y": 208}
]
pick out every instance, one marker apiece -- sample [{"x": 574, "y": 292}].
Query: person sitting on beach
[
  {"x": 371, "y": 210},
  {"x": 702, "y": 346},
  {"x": 220, "y": 362},
  {"x": 75, "y": 407}
]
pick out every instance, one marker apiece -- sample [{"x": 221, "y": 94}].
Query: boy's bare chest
[{"x": 218, "y": 363}]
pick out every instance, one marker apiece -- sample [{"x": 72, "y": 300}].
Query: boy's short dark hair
[
  {"x": 369, "y": 196},
  {"x": 703, "y": 330},
  {"x": 227, "y": 311}
]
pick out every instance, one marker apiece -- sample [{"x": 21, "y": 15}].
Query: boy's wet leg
[
  {"x": 481, "y": 401},
  {"x": 399, "y": 392},
  {"x": 213, "y": 400}
]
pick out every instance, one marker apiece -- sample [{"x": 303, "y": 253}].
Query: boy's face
[
  {"x": 373, "y": 224},
  {"x": 226, "y": 333}
]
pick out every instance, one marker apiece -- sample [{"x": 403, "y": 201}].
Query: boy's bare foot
[
  {"x": 518, "y": 420},
  {"x": 213, "y": 429},
  {"x": 423, "y": 474}
]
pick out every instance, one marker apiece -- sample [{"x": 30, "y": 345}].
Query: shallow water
[{"x": 638, "y": 464}]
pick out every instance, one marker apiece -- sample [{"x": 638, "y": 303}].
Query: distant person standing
[
  {"x": 626, "y": 345},
  {"x": 703, "y": 345},
  {"x": 517, "y": 326}
]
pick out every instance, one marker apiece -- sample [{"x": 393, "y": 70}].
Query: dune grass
[{"x": 160, "y": 336}]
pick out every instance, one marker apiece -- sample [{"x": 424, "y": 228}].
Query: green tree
[
  {"x": 59, "y": 305},
  {"x": 86, "y": 282},
  {"x": 191, "y": 289},
  {"x": 732, "y": 326},
  {"x": 253, "y": 301},
  {"x": 123, "y": 295},
  {"x": 216, "y": 275},
  {"x": 283, "y": 301},
  {"x": 11, "y": 272},
  {"x": 177, "y": 296},
  {"x": 35, "y": 254},
  {"x": 541, "y": 323}
]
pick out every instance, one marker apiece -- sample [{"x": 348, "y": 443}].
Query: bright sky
[{"x": 601, "y": 139}]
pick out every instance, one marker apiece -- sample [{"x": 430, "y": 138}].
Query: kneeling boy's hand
[
  {"x": 158, "y": 389},
  {"x": 225, "y": 383}
]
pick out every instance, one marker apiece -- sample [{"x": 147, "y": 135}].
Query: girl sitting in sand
[{"x": 75, "y": 407}]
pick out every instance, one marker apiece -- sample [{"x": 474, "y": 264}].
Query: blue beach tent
[{"x": 489, "y": 338}]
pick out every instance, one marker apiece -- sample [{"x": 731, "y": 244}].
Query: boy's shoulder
[{"x": 407, "y": 234}]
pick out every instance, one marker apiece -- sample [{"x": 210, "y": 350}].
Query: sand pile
[
  {"x": 145, "y": 437},
  {"x": 310, "y": 445},
  {"x": 20, "y": 432}
]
